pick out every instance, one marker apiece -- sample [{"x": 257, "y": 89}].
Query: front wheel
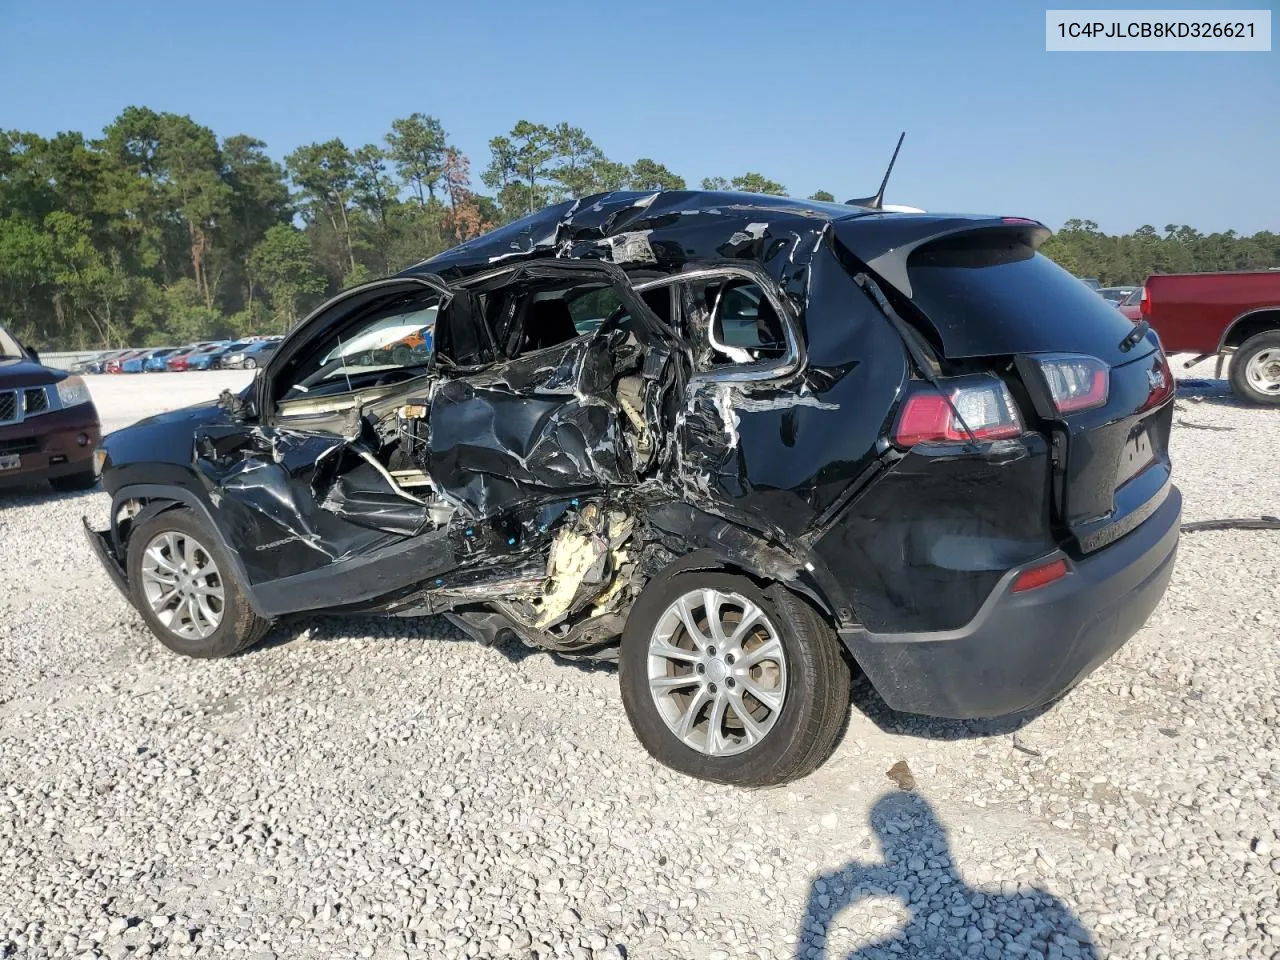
[
  {"x": 729, "y": 682},
  {"x": 183, "y": 585},
  {"x": 250, "y": 363},
  {"x": 1255, "y": 369}
]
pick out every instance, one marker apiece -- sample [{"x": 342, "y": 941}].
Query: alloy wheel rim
[
  {"x": 717, "y": 672},
  {"x": 1263, "y": 371},
  {"x": 183, "y": 585}
]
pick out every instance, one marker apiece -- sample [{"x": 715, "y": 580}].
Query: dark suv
[
  {"x": 49, "y": 426},
  {"x": 807, "y": 438}
]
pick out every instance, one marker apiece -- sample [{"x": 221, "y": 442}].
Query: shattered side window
[
  {"x": 534, "y": 317},
  {"x": 592, "y": 308}
]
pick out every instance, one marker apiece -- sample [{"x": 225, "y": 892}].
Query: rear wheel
[
  {"x": 250, "y": 363},
  {"x": 729, "y": 682},
  {"x": 182, "y": 584},
  {"x": 1255, "y": 369}
]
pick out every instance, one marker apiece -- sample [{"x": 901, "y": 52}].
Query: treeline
[
  {"x": 1132, "y": 257},
  {"x": 160, "y": 232}
]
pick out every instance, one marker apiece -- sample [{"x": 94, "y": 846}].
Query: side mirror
[{"x": 239, "y": 406}]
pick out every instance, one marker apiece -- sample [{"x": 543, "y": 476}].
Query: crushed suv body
[{"x": 806, "y": 437}]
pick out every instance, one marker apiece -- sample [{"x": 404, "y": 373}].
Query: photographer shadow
[{"x": 946, "y": 916}]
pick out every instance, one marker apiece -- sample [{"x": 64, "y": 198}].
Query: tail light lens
[
  {"x": 1144, "y": 305},
  {"x": 984, "y": 403},
  {"x": 1075, "y": 382},
  {"x": 1160, "y": 382}
]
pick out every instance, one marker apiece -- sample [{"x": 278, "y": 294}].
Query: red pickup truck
[{"x": 1236, "y": 314}]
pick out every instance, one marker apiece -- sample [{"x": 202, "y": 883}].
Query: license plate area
[
  {"x": 1137, "y": 456},
  {"x": 10, "y": 461}
]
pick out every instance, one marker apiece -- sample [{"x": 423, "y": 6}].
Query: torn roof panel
[{"x": 681, "y": 225}]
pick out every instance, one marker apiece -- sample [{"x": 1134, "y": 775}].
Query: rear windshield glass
[{"x": 988, "y": 297}]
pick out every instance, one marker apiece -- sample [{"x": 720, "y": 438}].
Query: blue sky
[{"x": 810, "y": 94}]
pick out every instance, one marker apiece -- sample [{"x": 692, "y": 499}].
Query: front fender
[{"x": 155, "y": 499}]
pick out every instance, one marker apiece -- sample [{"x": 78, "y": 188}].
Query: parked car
[
  {"x": 1131, "y": 306},
  {"x": 250, "y": 357},
  {"x": 1116, "y": 294},
  {"x": 895, "y": 465},
  {"x": 212, "y": 359},
  {"x": 182, "y": 360},
  {"x": 95, "y": 363},
  {"x": 414, "y": 347},
  {"x": 157, "y": 361},
  {"x": 135, "y": 362},
  {"x": 49, "y": 427},
  {"x": 1092, "y": 283},
  {"x": 116, "y": 364},
  {"x": 1234, "y": 315}
]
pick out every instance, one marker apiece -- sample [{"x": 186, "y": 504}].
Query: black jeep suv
[{"x": 806, "y": 438}]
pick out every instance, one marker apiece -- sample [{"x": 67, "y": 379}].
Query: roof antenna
[{"x": 877, "y": 201}]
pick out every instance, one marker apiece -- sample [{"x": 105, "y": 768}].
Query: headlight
[{"x": 72, "y": 391}]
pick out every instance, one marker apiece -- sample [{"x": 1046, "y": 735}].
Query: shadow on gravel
[
  {"x": 34, "y": 494},
  {"x": 946, "y": 916},
  {"x": 866, "y": 699},
  {"x": 428, "y": 630},
  {"x": 1197, "y": 392}
]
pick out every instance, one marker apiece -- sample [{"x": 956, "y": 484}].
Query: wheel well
[
  {"x": 809, "y": 594},
  {"x": 131, "y": 511},
  {"x": 1250, "y": 325}
]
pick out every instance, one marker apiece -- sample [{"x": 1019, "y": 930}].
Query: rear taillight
[
  {"x": 1144, "y": 305},
  {"x": 1075, "y": 382},
  {"x": 983, "y": 404},
  {"x": 1160, "y": 383}
]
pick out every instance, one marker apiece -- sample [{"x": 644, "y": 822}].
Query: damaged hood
[{"x": 166, "y": 437}]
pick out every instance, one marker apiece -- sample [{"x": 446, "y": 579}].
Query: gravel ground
[
  {"x": 123, "y": 398},
  {"x": 384, "y": 789}
]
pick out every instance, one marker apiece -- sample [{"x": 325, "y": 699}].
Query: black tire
[
  {"x": 250, "y": 363},
  {"x": 402, "y": 356},
  {"x": 1240, "y": 360},
  {"x": 240, "y": 628},
  {"x": 817, "y": 691},
  {"x": 73, "y": 482}
]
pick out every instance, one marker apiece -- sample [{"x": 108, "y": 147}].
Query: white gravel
[
  {"x": 362, "y": 788},
  {"x": 123, "y": 398}
]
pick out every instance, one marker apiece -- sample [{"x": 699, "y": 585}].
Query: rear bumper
[
  {"x": 1024, "y": 650},
  {"x": 49, "y": 445}
]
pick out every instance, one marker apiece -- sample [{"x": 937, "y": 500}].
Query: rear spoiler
[{"x": 885, "y": 242}]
